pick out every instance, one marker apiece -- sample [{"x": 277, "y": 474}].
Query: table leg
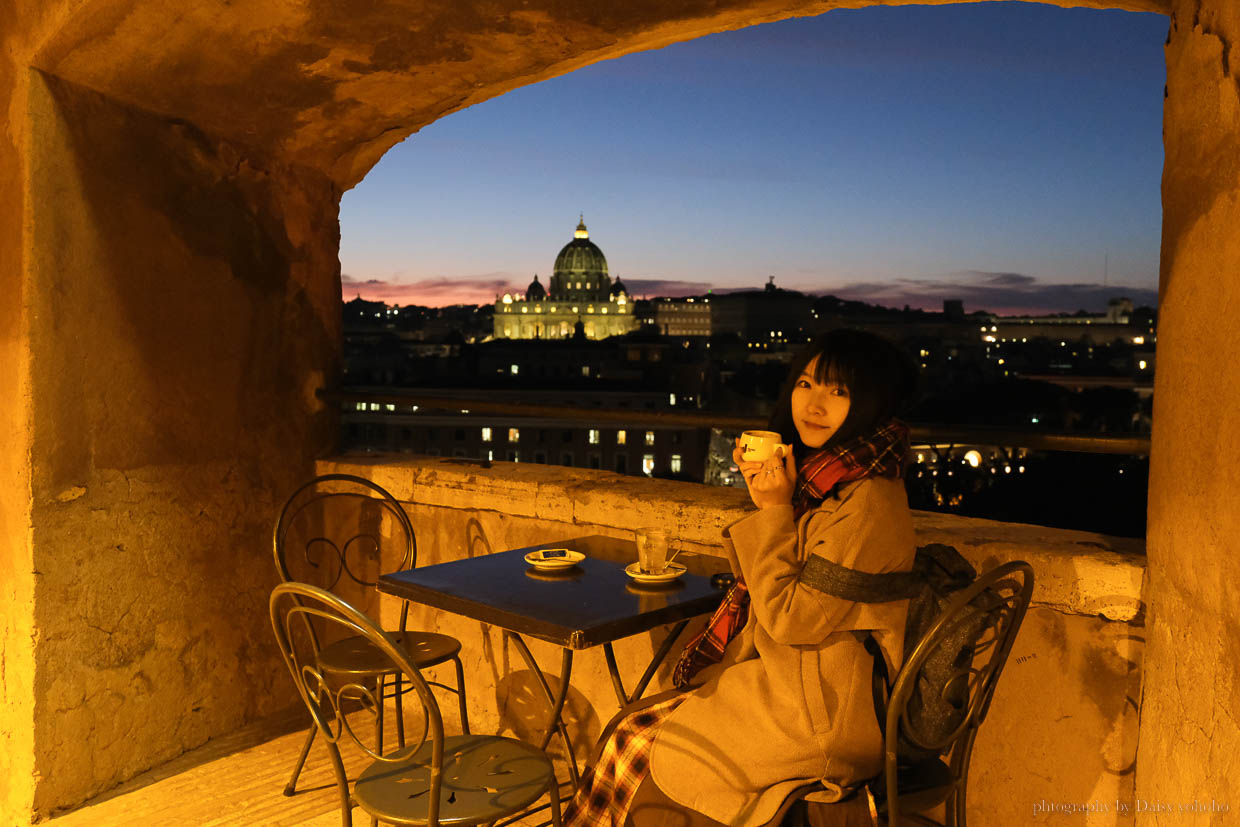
[
  {"x": 655, "y": 662},
  {"x": 556, "y": 699}
]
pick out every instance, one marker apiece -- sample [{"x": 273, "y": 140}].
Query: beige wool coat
[{"x": 791, "y": 702}]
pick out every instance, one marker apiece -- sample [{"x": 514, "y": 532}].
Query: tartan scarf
[{"x": 881, "y": 453}]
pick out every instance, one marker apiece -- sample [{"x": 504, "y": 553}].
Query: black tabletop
[{"x": 591, "y": 603}]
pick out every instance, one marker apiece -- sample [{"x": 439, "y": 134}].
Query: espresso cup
[{"x": 759, "y": 446}]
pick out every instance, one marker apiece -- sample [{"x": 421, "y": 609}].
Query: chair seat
[
  {"x": 923, "y": 786},
  {"x": 485, "y": 777},
  {"x": 357, "y": 656}
]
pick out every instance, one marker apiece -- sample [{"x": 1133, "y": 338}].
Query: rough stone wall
[
  {"x": 187, "y": 305},
  {"x": 1190, "y": 735},
  {"x": 1063, "y": 726},
  {"x": 334, "y": 87},
  {"x": 23, "y": 23}
]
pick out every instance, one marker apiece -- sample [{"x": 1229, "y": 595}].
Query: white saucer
[
  {"x": 561, "y": 558},
  {"x": 672, "y": 571}
]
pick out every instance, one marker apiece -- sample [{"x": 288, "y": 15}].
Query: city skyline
[{"x": 1008, "y": 155}]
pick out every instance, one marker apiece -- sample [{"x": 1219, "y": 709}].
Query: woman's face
[{"x": 818, "y": 410}]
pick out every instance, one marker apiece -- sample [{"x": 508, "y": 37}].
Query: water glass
[{"x": 652, "y": 550}]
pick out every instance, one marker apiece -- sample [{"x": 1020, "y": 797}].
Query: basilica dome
[
  {"x": 581, "y": 256},
  {"x": 535, "y": 292}
]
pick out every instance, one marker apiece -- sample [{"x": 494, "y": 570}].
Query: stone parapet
[{"x": 1079, "y": 572}]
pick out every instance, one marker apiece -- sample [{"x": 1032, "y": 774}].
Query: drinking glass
[{"x": 652, "y": 550}]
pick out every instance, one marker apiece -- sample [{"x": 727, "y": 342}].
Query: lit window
[
  {"x": 1138, "y": 340},
  {"x": 671, "y": 399},
  {"x": 514, "y": 434},
  {"x": 389, "y": 407},
  {"x": 490, "y": 456},
  {"x": 1141, "y": 364},
  {"x": 594, "y": 436},
  {"x": 486, "y": 434},
  {"x": 647, "y": 464},
  {"x": 374, "y": 406},
  {"x": 621, "y": 437},
  {"x": 650, "y": 437},
  {"x": 361, "y": 406},
  {"x": 675, "y": 466},
  {"x": 585, "y": 370},
  {"x": 514, "y": 369}
]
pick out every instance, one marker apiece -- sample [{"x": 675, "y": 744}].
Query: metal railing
[{"x": 919, "y": 433}]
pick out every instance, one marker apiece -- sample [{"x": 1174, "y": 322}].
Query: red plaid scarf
[{"x": 880, "y": 454}]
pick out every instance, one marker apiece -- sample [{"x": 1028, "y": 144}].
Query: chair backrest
[
  {"x": 340, "y": 532},
  {"x": 296, "y": 610},
  {"x": 970, "y": 642}
]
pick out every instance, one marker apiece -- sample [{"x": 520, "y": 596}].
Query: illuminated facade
[{"x": 581, "y": 291}]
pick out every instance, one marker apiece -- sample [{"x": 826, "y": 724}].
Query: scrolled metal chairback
[
  {"x": 960, "y": 660},
  {"x": 337, "y": 529},
  {"x": 336, "y": 700}
]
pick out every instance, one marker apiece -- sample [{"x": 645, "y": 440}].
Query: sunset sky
[{"x": 1006, "y": 154}]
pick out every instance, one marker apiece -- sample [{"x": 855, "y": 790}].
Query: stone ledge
[{"x": 1077, "y": 572}]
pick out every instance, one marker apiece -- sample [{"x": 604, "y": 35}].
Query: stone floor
[{"x": 237, "y": 780}]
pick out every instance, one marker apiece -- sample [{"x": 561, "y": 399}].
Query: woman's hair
[{"x": 879, "y": 376}]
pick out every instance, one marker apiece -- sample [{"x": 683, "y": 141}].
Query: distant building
[
  {"x": 770, "y": 318},
  {"x": 581, "y": 292},
  {"x": 677, "y": 317}
]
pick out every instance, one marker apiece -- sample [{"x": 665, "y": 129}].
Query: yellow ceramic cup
[{"x": 759, "y": 446}]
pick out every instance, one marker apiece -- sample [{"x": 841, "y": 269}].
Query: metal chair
[
  {"x": 458, "y": 780},
  {"x": 338, "y": 531},
  {"x": 910, "y": 786},
  {"x": 914, "y": 778}
]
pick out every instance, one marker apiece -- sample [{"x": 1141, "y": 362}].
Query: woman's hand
[{"x": 771, "y": 481}]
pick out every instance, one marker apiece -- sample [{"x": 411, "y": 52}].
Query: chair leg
[
  {"x": 379, "y": 715},
  {"x": 291, "y": 787},
  {"x": 400, "y": 710},
  {"x": 554, "y": 789},
  {"x": 460, "y": 693}
]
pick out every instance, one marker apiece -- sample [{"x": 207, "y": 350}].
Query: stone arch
[{"x": 322, "y": 86}]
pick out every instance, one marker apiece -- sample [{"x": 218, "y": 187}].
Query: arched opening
[{"x": 178, "y": 176}]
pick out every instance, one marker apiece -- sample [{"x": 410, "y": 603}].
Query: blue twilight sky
[{"x": 1008, "y": 154}]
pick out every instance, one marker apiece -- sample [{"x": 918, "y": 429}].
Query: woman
[{"x": 790, "y": 702}]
